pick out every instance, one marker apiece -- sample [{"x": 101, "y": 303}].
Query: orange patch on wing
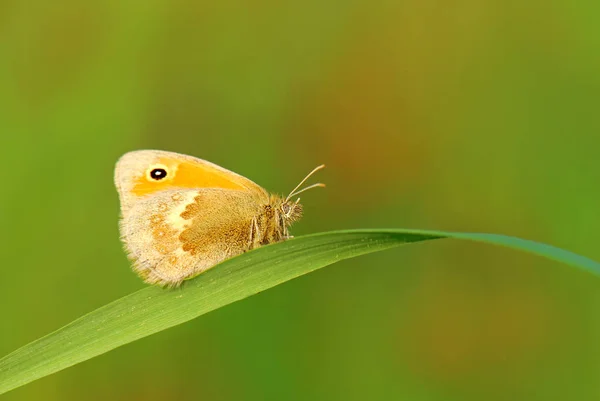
[{"x": 186, "y": 175}]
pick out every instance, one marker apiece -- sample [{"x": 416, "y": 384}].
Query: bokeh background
[{"x": 466, "y": 115}]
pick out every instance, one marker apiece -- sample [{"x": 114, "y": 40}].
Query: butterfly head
[{"x": 292, "y": 210}]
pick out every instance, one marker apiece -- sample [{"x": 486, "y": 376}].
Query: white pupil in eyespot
[{"x": 158, "y": 173}]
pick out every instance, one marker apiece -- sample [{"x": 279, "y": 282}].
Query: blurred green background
[{"x": 468, "y": 115}]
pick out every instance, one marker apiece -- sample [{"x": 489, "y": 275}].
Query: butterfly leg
[
  {"x": 251, "y": 233},
  {"x": 286, "y": 234},
  {"x": 254, "y": 238}
]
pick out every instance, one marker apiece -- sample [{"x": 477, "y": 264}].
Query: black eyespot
[{"x": 158, "y": 174}]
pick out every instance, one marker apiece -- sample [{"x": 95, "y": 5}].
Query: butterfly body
[{"x": 182, "y": 215}]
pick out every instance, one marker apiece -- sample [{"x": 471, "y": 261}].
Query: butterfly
[{"x": 181, "y": 215}]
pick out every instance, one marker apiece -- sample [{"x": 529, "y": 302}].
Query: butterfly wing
[
  {"x": 194, "y": 216},
  {"x": 133, "y": 181},
  {"x": 177, "y": 234}
]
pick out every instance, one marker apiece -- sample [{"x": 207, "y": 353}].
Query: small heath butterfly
[{"x": 181, "y": 215}]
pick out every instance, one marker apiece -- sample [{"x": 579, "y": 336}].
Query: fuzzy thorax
[{"x": 272, "y": 224}]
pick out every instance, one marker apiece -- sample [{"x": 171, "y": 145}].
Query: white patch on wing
[{"x": 180, "y": 200}]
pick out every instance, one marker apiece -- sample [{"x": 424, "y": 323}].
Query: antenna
[{"x": 303, "y": 181}]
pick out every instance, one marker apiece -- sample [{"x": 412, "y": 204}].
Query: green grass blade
[{"x": 154, "y": 309}]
